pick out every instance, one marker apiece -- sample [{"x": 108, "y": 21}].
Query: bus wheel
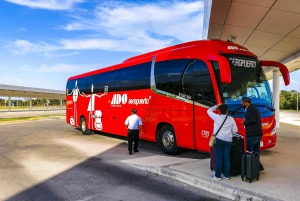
[
  {"x": 83, "y": 127},
  {"x": 168, "y": 140}
]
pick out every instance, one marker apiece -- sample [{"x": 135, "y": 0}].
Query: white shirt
[
  {"x": 133, "y": 122},
  {"x": 227, "y": 129}
]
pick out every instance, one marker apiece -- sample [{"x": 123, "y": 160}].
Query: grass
[
  {"x": 31, "y": 118},
  {"x": 33, "y": 108}
]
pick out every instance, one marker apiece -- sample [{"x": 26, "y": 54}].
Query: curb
[
  {"x": 221, "y": 189},
  {"x": 24, "y": 121}
]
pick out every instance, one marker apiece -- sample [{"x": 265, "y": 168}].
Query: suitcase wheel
[{"x": 250, "y": 180}]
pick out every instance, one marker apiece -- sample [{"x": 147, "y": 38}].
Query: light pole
[{"x": 297, "y": 95}]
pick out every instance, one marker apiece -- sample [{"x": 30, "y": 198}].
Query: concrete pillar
[
  {"x": 61, "y": 103},
  {"x": 276, "y": 96},
  {"x": 47, "y": 104},
  {"x": 30, "y": 103},
  {"x": 9, "y": 103}
]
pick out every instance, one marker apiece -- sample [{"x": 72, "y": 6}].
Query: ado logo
[{"x": 118, "y": 99}]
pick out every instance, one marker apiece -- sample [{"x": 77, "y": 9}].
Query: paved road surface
[
  {"x": 5, "y": 114},
  {"x": 50, "y": 160}
]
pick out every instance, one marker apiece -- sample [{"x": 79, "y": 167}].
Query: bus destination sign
[{"x": 243, "y": 62}]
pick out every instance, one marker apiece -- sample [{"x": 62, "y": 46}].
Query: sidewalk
[
  {"x": 290, "y": 117},
  {"x": 279, "y": 180}
]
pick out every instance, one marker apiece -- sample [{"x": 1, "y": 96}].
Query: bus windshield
[{"x": 248, "y": 80}]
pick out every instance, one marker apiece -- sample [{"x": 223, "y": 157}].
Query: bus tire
[
  {"x": 83, "y": 127},
  {"x": 167, "y": 140}
]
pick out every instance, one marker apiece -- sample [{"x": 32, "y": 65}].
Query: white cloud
[
  {"x": 9, "y": 80},
  {"x": 179, "y": 20},
  {"x": 61, "y": 54},
  {"x": 65, "y": 68},
  {"x": 293, "y": 82},
  {"x": 139, "y": 28},
  {"x": 134, "y": 44},
  {"x": 119, "y": 26},
  {"x": 21, "y": 29},
  {"x": 47, "y": 4},
  {"x": 24, "y": 46}
]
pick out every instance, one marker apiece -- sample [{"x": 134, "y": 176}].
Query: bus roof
[{"x": 219, "y": 46}]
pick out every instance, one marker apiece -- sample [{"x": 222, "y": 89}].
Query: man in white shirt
[
  {"x": 224, "y": 139},
  {"x": 133, "y": 123}
]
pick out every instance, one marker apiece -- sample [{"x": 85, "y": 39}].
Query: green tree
[{"x": 288, "y": 99}]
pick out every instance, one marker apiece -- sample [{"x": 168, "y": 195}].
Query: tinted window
[
  {"x": 168, "y": 74},
  {"x": 187, "y": 85},
  {"x": 187, "y": 76},
  {"x": 130, "y": 78},
  {"x": 70, "y": 86},
  {"x": 83, "y": 85},
  {"x": 204, "y": 91},
  {"x": 248, "y": 80}
]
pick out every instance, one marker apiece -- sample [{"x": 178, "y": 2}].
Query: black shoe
[
  {"x": 136, "y": 150},
  {"x": 130, "y": 152}
]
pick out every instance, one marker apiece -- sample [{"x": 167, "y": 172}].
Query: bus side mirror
[
  {"x": 225, "y": 72},
  {"x": 283, "y": 69}
]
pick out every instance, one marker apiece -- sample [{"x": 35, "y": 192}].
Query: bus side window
[
  {"x": 187, "y": 82},
  {"x": 204, "y": 91},
  {"x": 129, "y": 78},
  {"x": 168, "y": 75}
]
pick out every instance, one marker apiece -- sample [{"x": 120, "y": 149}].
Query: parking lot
[{"x": 50, "y": 160}]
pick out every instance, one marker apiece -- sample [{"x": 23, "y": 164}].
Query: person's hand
[
  {"x": 142, "y": 132},
  {"x": 218, "y": 105}
]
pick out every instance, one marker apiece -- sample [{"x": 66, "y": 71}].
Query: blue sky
[{"x": 43, "y": 42}]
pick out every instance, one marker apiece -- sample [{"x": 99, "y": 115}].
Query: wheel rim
[
  {"x": 168, "y": 139},
  {"x": 83, "y": 126}
]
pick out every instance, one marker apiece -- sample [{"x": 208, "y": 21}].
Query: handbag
[{"x": 212, "y": 140}]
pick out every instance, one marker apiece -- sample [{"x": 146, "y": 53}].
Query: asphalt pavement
[
  {"x": 279, "y": 180},
  {"x": 27, "y": 113},
  {"x": 49, "y": 160}
]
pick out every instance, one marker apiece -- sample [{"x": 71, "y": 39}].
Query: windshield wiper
[
  {"x": 270, "y": 108},
  {"x": 234, "y": 112}
]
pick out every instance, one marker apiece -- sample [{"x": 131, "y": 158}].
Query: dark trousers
[
  {"x": 133, "y": 136},
  {"x": 223, "y": 158},
  {"x": 253, "y": 145}
]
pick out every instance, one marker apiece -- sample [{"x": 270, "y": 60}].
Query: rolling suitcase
[
  {"x": 236, "y": 153},
  {"x": 250, "y": 166}
]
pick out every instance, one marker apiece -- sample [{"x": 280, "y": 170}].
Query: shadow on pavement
[{"x": 98, "y": 178}]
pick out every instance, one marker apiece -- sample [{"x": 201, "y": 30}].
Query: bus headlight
[{"x": 273, "y": 131}]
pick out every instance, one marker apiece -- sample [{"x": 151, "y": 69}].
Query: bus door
[{"x": 204, "y": 98}]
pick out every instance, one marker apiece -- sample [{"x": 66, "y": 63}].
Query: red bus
[{"x": 172, "y": 89}]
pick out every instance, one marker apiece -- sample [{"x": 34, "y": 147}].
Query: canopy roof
[
  {"x": 29, "y": 92},
  {"x": 268, "y": 28}
]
